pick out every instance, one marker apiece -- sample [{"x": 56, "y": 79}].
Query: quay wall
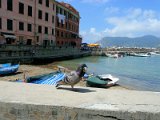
[
  {"x": 22, "y": 101},
  {"x": 29, "y": 54},
  {"x": 21, "y": 111}
]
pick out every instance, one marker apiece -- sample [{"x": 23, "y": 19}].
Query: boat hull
[
  {"x": 9, "y": 69},
  {"x": 49, "y": 79}
]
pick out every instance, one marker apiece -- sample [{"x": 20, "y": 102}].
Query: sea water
[{"x": 141, "y": 73}]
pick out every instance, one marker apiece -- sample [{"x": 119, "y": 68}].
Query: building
[
  {"x": 67, "y": 25},
  {"x": 28, "y": 22},
  {"x": 39, "y": 22}
]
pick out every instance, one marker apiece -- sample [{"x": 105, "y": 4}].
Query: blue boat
[
  {"x": 10, "y": 69},
  {"x": 5, "y": 65},
  {"x": 49, "y": 79}
]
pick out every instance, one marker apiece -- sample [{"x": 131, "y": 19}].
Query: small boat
[
  {"x": 112, "y": 55},
  {"x": 49, "y": 79},
  {"x": 106, "y": 80},
  {"x": 5, "y": 65},
  {"x": 10, "y": 69},
  {"x": 140, "y": 54}
]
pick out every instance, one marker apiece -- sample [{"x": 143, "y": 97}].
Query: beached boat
[
  {"x": 50, "y": 78},
  {"x": 5, "y": 65},
  {"x": 10, "y": 69},
  {"x": 105, "y": 80}
]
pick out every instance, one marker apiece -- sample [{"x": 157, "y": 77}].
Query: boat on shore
[
  {"x": 105, "y": 80},
  {"x": 9, "y": 69},
  {"x": 5, "y": 65},
  {"x": 49, "y": 79}
]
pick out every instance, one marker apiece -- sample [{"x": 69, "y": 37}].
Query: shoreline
[{"x": 33, "y": 70}]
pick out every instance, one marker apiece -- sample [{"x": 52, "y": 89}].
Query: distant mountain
[{"x": 145, "y": 41}]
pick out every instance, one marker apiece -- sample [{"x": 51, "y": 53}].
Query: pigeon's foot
[{"x": 57, "y": 86}]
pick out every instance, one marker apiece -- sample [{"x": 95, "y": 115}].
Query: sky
[{"x": 117, "y": 18}]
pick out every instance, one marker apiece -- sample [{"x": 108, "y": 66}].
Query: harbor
[{"x": 53, "y": 68}]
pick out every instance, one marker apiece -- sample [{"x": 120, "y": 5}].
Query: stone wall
[{"x": 19, "y": 111}]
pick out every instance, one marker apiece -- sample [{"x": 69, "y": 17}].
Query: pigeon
[{"x": 73, "y": 77}]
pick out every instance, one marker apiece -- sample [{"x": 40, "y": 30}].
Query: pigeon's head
[{"x": 82, "y": 70}]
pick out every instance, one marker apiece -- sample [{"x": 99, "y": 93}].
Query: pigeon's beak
[{"x": 84, "y": 69}]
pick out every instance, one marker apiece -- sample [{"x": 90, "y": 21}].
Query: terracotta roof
[{"x": 68, "y": 6}]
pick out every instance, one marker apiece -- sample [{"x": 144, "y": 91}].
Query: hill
[{"x": 144, "y": 41}]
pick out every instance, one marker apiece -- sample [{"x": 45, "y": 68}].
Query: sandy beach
[{"x": 32, "y": 70}]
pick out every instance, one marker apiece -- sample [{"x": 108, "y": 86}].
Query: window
[
  {"x": 21, "y": 8},
  {"x": 30, "y": 27},
  {"x": 46, "y": 16},
  {"x": 0, "y": 3},
  {"x": 52, "y": 31},
  {"x": 47, "y": 3},
  {"x": 61, "y": 34},
  {"x": 39, "y": 29},
  {"x": 60, "y": 10},
  {"x": 51, "y": 41},
  {"x": 29, "y": 11},
  {"x": 29, "y": 42},
  {"x": 53, "y": 7},
  {"x": 0, "y": 23},
  {"x": 40, "y": 1},
  {"x": 9, "y": 24},
  {"x": 21, "y": 26},
  {"x": 57, "y": 33},
  {"x": 46, "y": 30},
  {"x": 37, "y": 39},
  {"x": 9, "y": 5},
  {"x": 40, "y": 14},
  {"x": 52, "y": 19}
]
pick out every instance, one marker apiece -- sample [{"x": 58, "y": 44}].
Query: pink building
[{"x": 28, "y": 22}]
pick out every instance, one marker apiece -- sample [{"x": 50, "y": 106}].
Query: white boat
[
  {"x": 113, "y": 55},
  {"x": 140, "y": 54},
  {"x": 108, "y": 77},
  {"x": 143, "y": 55}
]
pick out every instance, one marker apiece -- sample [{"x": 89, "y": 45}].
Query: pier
[{"x": 103, "y": 51}]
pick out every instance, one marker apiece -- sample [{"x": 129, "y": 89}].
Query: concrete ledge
[{"x": 42, "y": 102}]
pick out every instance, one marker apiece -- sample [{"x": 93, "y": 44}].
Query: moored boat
[{"x": 140, "y": 54}]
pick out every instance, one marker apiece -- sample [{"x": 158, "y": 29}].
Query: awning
[{"x": 10, "y": 36}]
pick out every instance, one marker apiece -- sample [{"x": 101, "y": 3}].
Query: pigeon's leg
[
  {"x": 57, "y": 86},
  {"x": 60, "y": 83},
  {"x": 72, "y": 86}
]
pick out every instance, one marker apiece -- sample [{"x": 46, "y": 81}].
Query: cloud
[
  {"x": 111, "y": 10},
  {"x": 131, "y": 23},
  {"x": 91, "y": 35}
]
